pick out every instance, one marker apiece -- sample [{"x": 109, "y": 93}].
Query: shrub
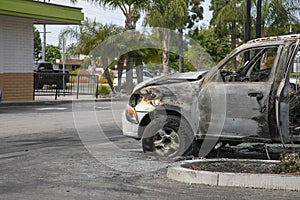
[
  {"x": 103, "y": 90},
  {"x": 104, "y": 80},
  {"x": 74, "y": 79},
  {"x": 80, "y": 71},
  {"x": 295, "y": 75},
  {"x": 288, "y": 164}
]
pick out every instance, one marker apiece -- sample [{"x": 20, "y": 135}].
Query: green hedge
[
  {"x": 103, "y": 90},
  {"x": 295, "y": 75}
]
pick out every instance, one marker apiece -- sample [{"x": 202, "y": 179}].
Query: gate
[{"x": 48, "y": 84}]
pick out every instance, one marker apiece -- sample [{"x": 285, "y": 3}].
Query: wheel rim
[{"x": 166, "y": 142}]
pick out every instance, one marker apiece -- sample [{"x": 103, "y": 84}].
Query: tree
[
  {"x": 215, "y": 46},
  {"x": 88, "y": 36},
  {"x": 168, "y": 14},
  {"x": 228, "y": 18},
  {"x": 278, "y": 16},
  {"x": 70, "y": 51},
  {"x": 52, "y": 53},
  {"x": 37, "y": 44},
  {"x": 175, "y": 15},
  {"x": 131, "y": 9},
  {"x": 194, "y": 15}
]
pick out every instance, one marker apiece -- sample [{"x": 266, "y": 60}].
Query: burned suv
[{"x": 247, "y": 97}]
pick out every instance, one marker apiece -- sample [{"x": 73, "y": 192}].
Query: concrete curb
[{"x": 263, "y": 181}]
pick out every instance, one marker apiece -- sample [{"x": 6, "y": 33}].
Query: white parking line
[
  {"x": 46, "y": 109},
  {"x": 102, "y": 108}
]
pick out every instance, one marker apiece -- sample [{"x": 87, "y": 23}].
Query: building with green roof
[{"x": 17, "y": 18}]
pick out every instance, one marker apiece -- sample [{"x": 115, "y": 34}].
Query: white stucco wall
[{"x": 16, "y": 45}]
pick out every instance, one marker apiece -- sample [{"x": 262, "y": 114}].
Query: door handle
[{"x": 259, "y": 96}]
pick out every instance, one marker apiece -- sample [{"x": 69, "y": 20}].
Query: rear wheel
[{"x": 167, "y": 136}]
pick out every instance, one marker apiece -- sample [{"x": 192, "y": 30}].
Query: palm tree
[
  {"x": 279, "y": 15},
  {"x": 131, "y": 9},
  {"x": 88, "y": 36},
  {"x": 229, "y": 18}
]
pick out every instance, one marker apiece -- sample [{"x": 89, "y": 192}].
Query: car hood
[{"x": 172, "y": 78}]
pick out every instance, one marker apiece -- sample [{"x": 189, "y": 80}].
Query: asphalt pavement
[{"x": 75, "y": 149}]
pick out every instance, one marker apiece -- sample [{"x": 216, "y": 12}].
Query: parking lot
[{"x": 43, "y": 157}]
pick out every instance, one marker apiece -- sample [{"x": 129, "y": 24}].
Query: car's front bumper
[{"x": 131, "y": 129}]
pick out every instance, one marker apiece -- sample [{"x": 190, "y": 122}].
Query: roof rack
[{"x": 276, "y": 38}]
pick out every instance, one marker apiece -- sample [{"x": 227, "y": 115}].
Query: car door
[
  {"x": 282, "y": 99},
  {"x": 242, "y": 84}
]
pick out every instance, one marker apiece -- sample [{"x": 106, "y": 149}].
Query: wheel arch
[{"x": 151, "y": 115}]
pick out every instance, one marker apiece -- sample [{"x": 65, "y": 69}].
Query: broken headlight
[{"x": 131, "y": 114}]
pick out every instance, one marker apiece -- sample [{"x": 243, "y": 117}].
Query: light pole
[
  {"x": 247, "y": 27},
  {"x": 258, "y": 19},
  {"x": 248, "y": 21},
  {"x": 64, "y": 62}
]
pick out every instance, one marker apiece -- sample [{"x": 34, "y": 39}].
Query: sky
[{"x": 103, "y": 15}]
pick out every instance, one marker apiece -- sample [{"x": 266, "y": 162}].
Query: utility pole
[
  {"x": 258, "y": 19},
  {"x": 44, "y": 41},
  {"x": 44, "y": 44}
]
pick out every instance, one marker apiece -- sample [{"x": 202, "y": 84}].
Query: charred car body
[{"x": 245, "y": 97}]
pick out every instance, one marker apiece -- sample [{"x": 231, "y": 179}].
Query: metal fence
[{"x": 51, "y": 84}]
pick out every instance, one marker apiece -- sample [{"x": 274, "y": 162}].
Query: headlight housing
[{"x": 131, "y": 115}]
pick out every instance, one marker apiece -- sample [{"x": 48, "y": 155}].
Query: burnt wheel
[{"x": 167, "y": 136}]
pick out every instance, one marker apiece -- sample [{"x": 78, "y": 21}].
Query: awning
[{"x": 42, "y": 13}]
